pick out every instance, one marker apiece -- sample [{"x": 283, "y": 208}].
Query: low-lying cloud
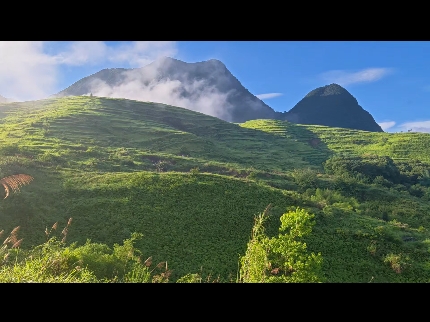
[
  {"x": 195, "y": 95},
  {"x": 345, "y": 78},
  {"x": 26, "y": 72},
  {"x": 30, "y": 71},
  {"x": 417, "y": 126},
  {"x": 268, "y": 95},
  {"x": 386, "y": 125}
]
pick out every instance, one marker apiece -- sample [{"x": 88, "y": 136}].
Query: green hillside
[
  {"x": 192, "y": 184},
  {"x": 399, "y": 146}
]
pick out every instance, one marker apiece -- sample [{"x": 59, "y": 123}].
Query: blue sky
[{"x": 390, "y": 79}]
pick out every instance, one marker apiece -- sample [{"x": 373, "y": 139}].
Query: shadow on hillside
[
  {"x": 306, "y": 136},
  {"x": 246, "y": 146},
  {"x": 305, "y": 143},
  {"x": 132, "y": 124}
]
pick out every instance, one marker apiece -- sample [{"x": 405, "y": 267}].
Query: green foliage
[
  {"x": 281, "y": 259},
  {"x": 46, "y": 263},
  {"x": 119, "y": 166},
  {"x": 333, "y": 202},
  {"x": 55, "y": 262},
  {"x": 398, "y": 262},
  {"x": 305, "y": 178},
  {"x": 370, "y": 166},
  {"x": 194, "y": 171},
  {"x": 190, "y": 278}
]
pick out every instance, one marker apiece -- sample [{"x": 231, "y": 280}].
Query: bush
[
  {"x": 281, "y": 259},
  {"x": 54, "y": 262},
  {"x": 370, "y": 166},
  {"x": 397, "y": 262},
  {"x": 305, "y": 178}
]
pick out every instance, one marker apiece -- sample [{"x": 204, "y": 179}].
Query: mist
[
  {"x": 148, "y": 85},
  {"x": 31, "y": 70}
]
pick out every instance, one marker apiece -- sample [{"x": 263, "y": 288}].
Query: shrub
[
  {"x": 281, "y": 259},
  {"x": 305, "y": 178},
  {"x": 397, "y": 262}
]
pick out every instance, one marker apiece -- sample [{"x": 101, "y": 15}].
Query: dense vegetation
[{"x": 149, "y": 181}]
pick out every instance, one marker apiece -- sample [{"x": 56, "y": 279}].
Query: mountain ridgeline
[
  {"x": 210, "y": 88},
  {"x": 181, "y": 82}
]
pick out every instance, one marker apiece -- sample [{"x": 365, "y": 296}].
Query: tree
[{"x": 281, "y": 259}]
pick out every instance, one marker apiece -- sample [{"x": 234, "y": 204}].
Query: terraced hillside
[
  {"x": 399, "y": 146},
  {"x": 192, "y": 185}
]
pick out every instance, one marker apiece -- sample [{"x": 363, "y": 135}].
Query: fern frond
[{"x": 14, "y": 182}]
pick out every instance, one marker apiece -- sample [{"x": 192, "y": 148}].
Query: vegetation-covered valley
[{"x": 164, "y": 194}]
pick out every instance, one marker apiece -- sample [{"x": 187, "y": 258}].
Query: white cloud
[
  {"x": 83, "y": 52},
  {"x": 29, "y": 72},
  {"x": 138, "y": 86},
  {"x": 344, "y": 78},
  {"x": 140, "y": 53},
  {"x": 418, "y": 126},
  {"x": 133, "y": 54},
  {"x": 26, "y": 72},
  {"x": 386, "y": 125},
  {"x": 268, "y": 95}
]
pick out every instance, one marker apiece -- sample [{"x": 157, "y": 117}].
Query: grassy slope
[
  {"x": 118, "y": 166},
  {"x": 399, "y": 146}
]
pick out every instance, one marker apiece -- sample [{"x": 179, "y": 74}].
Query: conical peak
[{"x": 332, "y": 89}]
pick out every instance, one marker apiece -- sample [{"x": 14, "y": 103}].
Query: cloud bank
[
  {"x": 345, "y": 78},
  {"x": 28, "y": 71},
  {"x": 417, "y": 126},
  {"x": 268, "y": 95},
  {"x": 142, "y": 85}
]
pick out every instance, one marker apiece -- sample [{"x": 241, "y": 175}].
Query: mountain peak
[
  {"x": 332, "y": 105},
  {"x": 168, "y": 60},
  {"x": 327, "y": 90},
  {"x": 215, "y": 62}
]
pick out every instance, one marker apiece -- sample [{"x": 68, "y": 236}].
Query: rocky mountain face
[
  {"x": 332, "y": 105},
  {"x": 206, "y": 87}
]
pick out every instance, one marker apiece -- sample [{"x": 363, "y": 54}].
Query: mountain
[
  {"x": 207, "y": 87},
  {"x": 332, "y": 105},
  {"x": 210, "y": 88}
]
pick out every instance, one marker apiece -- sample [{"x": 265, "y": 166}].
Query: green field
[{"x": 192, "y": 184}]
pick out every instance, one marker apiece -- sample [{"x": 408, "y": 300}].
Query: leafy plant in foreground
[
  {"x": 283, "y": 258},
  {"x": 55, "y": 262}
]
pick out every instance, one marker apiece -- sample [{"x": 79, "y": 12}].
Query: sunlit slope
[
  {"x": 192, "y": 184},
  {"x": 83, "y": 129},
  {"x": 399, "y": 146}
]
